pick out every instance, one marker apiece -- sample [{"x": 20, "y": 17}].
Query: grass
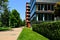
[
  {"x": 5, "y": 28},
  {"x": 28, "y": 34}
]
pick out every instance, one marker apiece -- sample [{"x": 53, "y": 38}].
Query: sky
[{"x": 19, "y": 5}]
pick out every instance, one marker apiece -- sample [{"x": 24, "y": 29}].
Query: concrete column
[
  {"x": 36, "y": 7},
  {"x": 47, "y": 6},
  {"x": 43, "y": 7},
  {"x": 55, "y": 18},
  {"x": 40, "y": 6},
  {"x": 47, "y": 17},
  {"x": 50, "y": 7},
  {"x": 43, "y": 17},
  {"x": 37, "y": 17}
]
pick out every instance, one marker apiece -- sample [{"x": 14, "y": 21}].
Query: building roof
[{"x": 48, "y": 1}]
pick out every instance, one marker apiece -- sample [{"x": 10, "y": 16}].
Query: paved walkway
[{"x": 10, "y": 35}]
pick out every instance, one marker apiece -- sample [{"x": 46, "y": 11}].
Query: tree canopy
[
  {"x": 57, "y": 9},
  {"x": 4, "y": 13},
  {"x": 7, "y": 17},
  {"x": 15, "y": 18}
]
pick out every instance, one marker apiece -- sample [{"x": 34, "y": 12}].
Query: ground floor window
[
  {"x": 45, "y": 17},
  {"x": 40, "y": 17}
]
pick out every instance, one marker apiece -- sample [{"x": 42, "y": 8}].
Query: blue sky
[{"x": 19, "y": 5}]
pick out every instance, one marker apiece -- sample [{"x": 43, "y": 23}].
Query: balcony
[
  {"x": 27, "y": 8},
  {"x": 27, "y": 17},
  {"x": 27, "y": 4},
  {"x": 27, "y": 11},
  {"x": 27, "y": 21},
  {"x": 45, "y": 8},
  {"x": 27, "y": 14},
  {"x": 41, "y": 11}
]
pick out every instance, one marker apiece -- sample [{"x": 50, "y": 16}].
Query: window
[
  {"x": 45, "y": 16},
  {"x": 40, "y": 17},
  {"x": 41, "y": 6},
  {"x": 49, "y": 16},
  {"x": 38, "y": 7},
  {"x": 52, "y": 6},
  {"x": 48, "y": 6},
  {"x": 45, "y": 6},
  {"x": 53, "y": 17}
]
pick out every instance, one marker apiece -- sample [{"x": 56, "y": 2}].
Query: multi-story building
[
  {"x": 42, "y": 10},
  {"x": 28, "y": 14}
]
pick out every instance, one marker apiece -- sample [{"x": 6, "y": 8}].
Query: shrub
[{"x": 49, "y": 29}]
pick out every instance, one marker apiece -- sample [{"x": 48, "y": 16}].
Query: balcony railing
[
  {"x": 41, "y": 11},
  {"x": 27, "y": 17},
  {"x": 27, "y": 11},
  {"x": 27, "y": 4},
  {"x": 27, "y": 21},
  {"x": 27, "y": 8},
  {"x": 28, "y": 14}
]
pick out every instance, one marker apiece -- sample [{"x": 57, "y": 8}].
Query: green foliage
[
  {"x": 15, "y": 18},
  {"x": 23, "y": 23},
  {"x": 5, "y": 28},
  {"x": 5, "y": 0},
  {"x": 0, "y": 24},
  {"x": 49, "y": 29},
  {"x": 7, "y": 18},
  {"x": 4, "y": 13},
  {"x": 57, "y": 9},
  {"x": 28, "y": 34}
]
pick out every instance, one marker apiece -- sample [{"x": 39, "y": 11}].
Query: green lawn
[
  {"x": 28, "y": 34},
  {"x": 5, "y": 28}
]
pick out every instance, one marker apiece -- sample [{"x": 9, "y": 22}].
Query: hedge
[{"x": 50, "y": 30}]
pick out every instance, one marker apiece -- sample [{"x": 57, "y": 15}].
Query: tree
[
  {"x": 4, "y": 12},
  {"x": 23, "y": 23},
  {"x": 57, "y": 9},
  {"x": 15, "y": 18}
]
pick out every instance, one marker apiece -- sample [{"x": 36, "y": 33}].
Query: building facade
[
  {"x": 42, "y": 10},
  {"x": 28, "y": 14}
]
